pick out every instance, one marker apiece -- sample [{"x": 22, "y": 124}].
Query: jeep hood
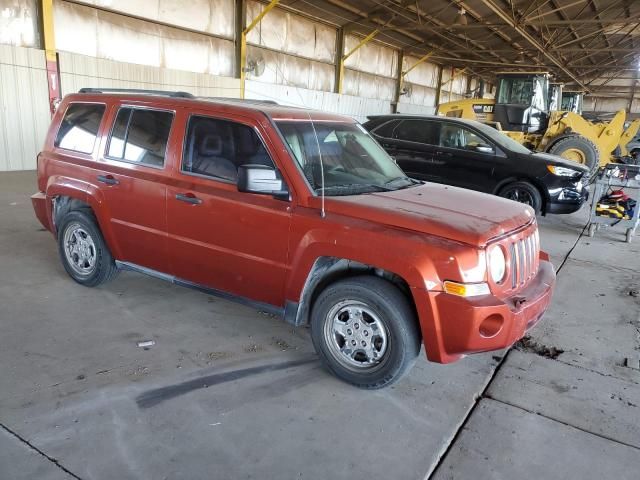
[{"x": 448, "y": 212}]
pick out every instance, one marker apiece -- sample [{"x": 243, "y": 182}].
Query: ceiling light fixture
[{"x": 461, "y": 18}]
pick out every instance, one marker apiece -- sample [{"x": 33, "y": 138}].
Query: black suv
[{"x": 470, "y": 154}]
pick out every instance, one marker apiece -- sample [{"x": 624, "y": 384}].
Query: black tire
[
  {"x": 588, "y": 149},
  {"x": 103, "y": 268},
  {"x": 394, "y": 313},
  {"x": 523, "y": 192}
]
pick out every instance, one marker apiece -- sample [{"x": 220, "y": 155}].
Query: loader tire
[{"x": 580, "y": 150}]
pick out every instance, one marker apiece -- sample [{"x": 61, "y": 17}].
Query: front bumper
[
  {"x": 568, "y": 200},
  {"x": 565, "y": 195},
  {"x": 454, "y": 326}
]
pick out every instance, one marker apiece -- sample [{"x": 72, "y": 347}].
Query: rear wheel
[
  {"x": 578, "y": 149},
  {"x": 523, "y": 192},
  {"x": 83, "y": 251},
  {"x": 365, "y": 331}
]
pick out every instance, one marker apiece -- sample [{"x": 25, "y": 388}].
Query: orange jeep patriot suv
[{"x": 296, "y": 212}]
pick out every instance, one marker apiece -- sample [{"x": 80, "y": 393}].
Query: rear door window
[
  {"x": 456, "y": 136},
  {"x": 140, "y": 136},
  {"x": 419, "y": 131},
  {"x": 79, "y": 128}
]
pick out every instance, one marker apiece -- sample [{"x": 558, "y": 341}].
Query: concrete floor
[{"x": 227, "y": 392}]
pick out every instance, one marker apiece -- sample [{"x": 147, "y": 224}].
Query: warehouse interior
[{"x": 142, "y": 378}]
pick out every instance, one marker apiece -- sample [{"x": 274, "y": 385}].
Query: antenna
[{"x": 322, "y": 212}]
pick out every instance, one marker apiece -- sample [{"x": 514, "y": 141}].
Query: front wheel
[
  {"x": 365, "y": 331},
  {"x": 523, "y": 192}
]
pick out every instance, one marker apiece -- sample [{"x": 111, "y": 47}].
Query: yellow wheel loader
[
  {"x": 521, "y": 110},
  {"x": 573, "y": 100}
]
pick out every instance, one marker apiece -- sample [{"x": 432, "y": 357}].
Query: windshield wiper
[
  {"x": 407, "y": 179},
  {"x": 355, "y": 188}
]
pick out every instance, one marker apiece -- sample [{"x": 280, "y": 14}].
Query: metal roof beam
[
  {"x": 527, "y": 19},
  {"x": 502, "y": 14}
]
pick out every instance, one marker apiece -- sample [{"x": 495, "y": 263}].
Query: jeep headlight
[{"x": 497, "y": 263}]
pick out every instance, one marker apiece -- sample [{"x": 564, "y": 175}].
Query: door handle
[
  {"x": 444, "y": 154},
  {"x": 108, "y": 179},
  {"x": 188, "y": 198}
]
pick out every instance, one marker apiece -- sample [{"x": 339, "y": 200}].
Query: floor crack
[
  {"x": 533, "y": 412},
  {"x": 609, "y": 375},
  {"x": 37, "y": 450}
]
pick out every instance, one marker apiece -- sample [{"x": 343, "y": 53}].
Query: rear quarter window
[{"x": 79, "y": 127}]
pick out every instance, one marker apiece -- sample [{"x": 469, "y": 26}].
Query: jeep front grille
[{"x": 525, "y": 259}]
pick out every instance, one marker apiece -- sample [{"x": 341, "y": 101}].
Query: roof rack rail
[
  {"x": 249, "y": 101},
  {"x": 137, "y": 92}
]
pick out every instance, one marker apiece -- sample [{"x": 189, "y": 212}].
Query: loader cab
[
  {"x": 522, "y": 102},
  {"x": 572, "y": 102}
]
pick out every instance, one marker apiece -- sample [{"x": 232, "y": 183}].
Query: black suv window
[
  {"x": 456, "y": 136},
  {"x": 140, "y": 136},
  {"x": 79, "y": 127},
  {"x": 216, "y": 148},
  {"x": 386, "y": 129},
  {"x": 420, "y": 131}
]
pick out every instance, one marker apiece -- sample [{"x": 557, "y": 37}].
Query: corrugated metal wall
[
  {"x": 78, "y": 71},
  {"x": 111, "y": 36},
  {"x": 420, "y": 87},
  {"x": 356, "y": 107},
  {"x": 19, "y": 23},
  {"x": 24, "y": 112},
  {"x": 608, "y": 105}
]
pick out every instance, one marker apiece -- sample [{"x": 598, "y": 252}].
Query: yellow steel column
[
  {"x": 344, "y": 57},
  {"x": 51, "y": 58},
  {"x": 243, "y": 43}
]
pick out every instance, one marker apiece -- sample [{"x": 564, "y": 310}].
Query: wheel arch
[
  {"x": 69, "y": 197},
  {"x": 544, "y": 193},
  {"x": 326, "y": 270}
]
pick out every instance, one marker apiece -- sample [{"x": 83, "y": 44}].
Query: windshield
[
  {"x": 530, "y": 91},
  {"x": 572, "y": 102},
  {"x": 502, "y": 139},
  {"x": 352, "y": 161}
]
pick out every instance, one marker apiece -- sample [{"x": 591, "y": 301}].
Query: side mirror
[
  {"x": 261, "y": 179},
  {"x": 482, "y": 148}
]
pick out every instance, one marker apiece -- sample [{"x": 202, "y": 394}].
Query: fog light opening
[{"x": 491, "y": 325}]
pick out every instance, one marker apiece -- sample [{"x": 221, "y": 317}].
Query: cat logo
[{"x": 483, "y": 108}]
